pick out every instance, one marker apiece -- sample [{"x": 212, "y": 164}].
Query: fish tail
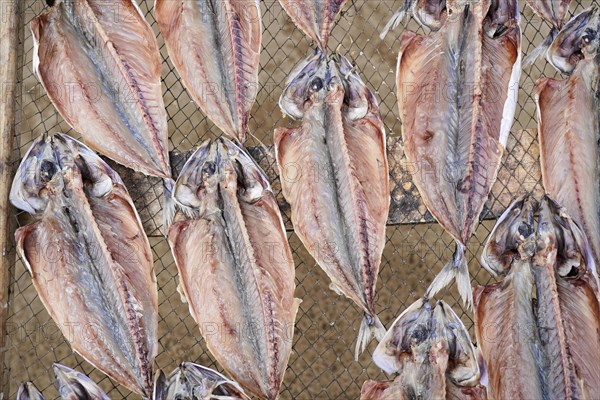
[
  {"x": 369, "y": 327},
  {"x": 540, "y": 50},
  {"x": 169, "y": 203},
  {"x": 396, "y": 19},
  {"x": 458, "y": 270}
]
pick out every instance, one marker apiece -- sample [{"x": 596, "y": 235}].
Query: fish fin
[
  {"x": 396, "y": 19},
  {"x": 540, "y": 50},
  {"x": 336, "y": 289},
  {"x": 458, "y": 270},
  {"x": 169, "y": 207},
  {"x": 181, "y": 292},
  {"x": 369, "y": 327}
]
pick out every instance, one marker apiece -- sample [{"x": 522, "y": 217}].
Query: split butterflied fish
[
  {"x": 215, "y": 47},
  {"x": 100, "y": 64},
  {"x": 457, "y": 91},
  {"x": 569, "y": 124},
  {"x": 334, "y": 173},
  {"x": 235, "y": 265},
  {"x": 314, "y": 17},
  {"x": 195, "y": 382},
  {"x": 89, "y": 258},
  {"x": 539, "y": 328},
  {"x": 431, "y": 351},
  {"x": 73, "y": 385}
]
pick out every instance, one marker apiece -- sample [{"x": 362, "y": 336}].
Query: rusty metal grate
[{"x": 322, "y": 364}]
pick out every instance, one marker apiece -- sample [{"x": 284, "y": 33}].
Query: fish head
[
  {"x": 305, "y": 80},
  {"x": 463, "y": 366},
  {"x": 50, "y": 163},
  {"x": 556, "y": 230},
  {"x": 206, "y": 383},
  {"x": 198, "y": 178},
  {"x": 75, "y": 385},
  {"x": 430, "y": 13},
  {"x": 357, "y": 97},
  {"x": 28, "y": 391},
  {"x": 409, "y": 332},
  {"x": 502, "y": 17},
  {"x": 513, "y": 237},
  {"x": 236, "y": 164},
  {"x": 579, "y": 39}
]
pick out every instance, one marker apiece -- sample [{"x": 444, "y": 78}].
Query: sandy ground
[{"x": 322, "y": 364}]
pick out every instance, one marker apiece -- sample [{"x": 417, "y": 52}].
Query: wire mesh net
[{"x": 322, "y": 364}]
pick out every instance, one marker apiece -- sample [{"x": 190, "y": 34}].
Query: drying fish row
[
  {"x": 538, "y": 330},
  {"x": 222, "y": 218}
]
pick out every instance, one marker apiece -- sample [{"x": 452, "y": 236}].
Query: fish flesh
[
  {"x": 314, "y": 17},
  {"x": 89, "y": 258},
  {"x": 215, "y": 47},
  {"x": 554, "y": 12},
  {"x": 504, "y": 316},
  {"x": 117, "y": 106},
  {"x": 73, "y": 385},
  {"x": 235, "y": 265},
  {"x": 334, "y": 173},
  {"x": 193, "y": 381},
  {"x": 457, "y": 90},
  {"x": 569, "y": 126},
  {"x": 28, "y": 391},
  {"x": 431, "y": 351},
  {"x": 539, "y": 328}
]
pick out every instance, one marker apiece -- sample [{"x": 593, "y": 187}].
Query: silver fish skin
[
  {"x": 235, "y": 265},
  {"x": 193, "y": 381},
  {"x": 432, "y": 353},
  {"x": 569, "y": 126},
  {"x": 314, "y": 17},
  {"x": 109, "y": 47},
  {"x": 215, "y": 46},
  {"x": 90, "y": 260},
  {"x": 457, "y": 90},
  {"x": 28, "y": 391},
  {"x": 428, "y": 13},
  {"x": 73, "y": 385},
  {"x": 334, "y": 173}
]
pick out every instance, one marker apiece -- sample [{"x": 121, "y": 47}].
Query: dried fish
[
  {"x": 215, "y": 47},
  {"x": 117, "y": 106},
  {"x": 553, "y": 12},
  {"x": 314, "y": 17},
  {"x": 89, "y": 258},
  {"x": 235, "y": 265},
  {"x": 428, "y": 13},
  {"x": 334, "y": 174},
  {"x": 569, "y": 126},
  {"x": 432, "y": 353},
  {"x": 73, "y": 385},
  {"x": 28, "y": 391},
  {"x": 457, "y": 91},
  {"x": 193, "y": 381},
  {"x": 542, "y": 346}
]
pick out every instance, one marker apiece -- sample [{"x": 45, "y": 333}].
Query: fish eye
[
  {"x": 588, "y": 36},
  {"x": 316, "y": 84},
  {"x": 209, "y": 168},
  {"x": 47, "y": 170}
]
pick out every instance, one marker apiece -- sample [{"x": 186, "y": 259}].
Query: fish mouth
[
  {"x": 209, "y": 169},
  {"x": 49, "y": 163},
  {"x": 317, "y": 79}
]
